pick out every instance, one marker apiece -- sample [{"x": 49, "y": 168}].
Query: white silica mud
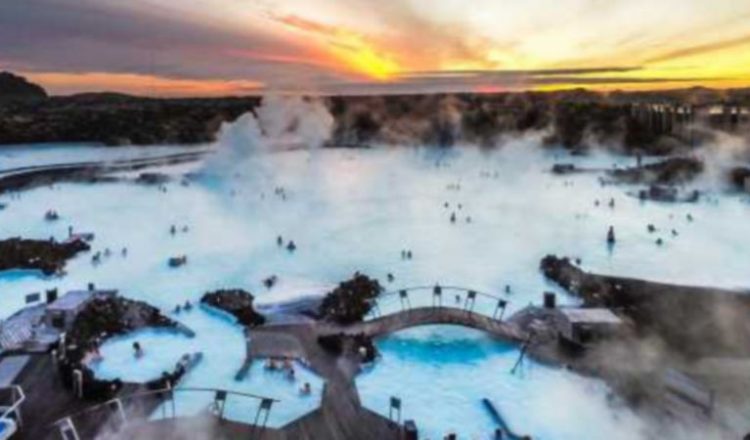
[{"x": 357, "y": 210}]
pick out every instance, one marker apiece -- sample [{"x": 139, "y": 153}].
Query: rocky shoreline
[
  {"x": 693, "y": 322},
  {"x": 104, "y": 317},
  {"x": 350, "y": 301},
  {"x": 671, "y": 171},
  {"x": 47, "y": 256},
  {"x": 90, "y": 172},
  {"x": 236, "y": 302}
]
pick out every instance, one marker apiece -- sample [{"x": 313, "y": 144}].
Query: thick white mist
[{"x": 279, "y": 123}]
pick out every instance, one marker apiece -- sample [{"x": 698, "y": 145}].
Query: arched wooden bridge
[
  {"x": 437, "y": 315},
  {"x": 460, "y": 312}
]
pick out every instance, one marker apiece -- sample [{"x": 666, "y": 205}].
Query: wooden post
[{"x": 395, "y": 407}]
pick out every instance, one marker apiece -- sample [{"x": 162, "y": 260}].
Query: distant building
[
  {"x": 583, "y": 326},
  {"x": 61, "y": 313}
]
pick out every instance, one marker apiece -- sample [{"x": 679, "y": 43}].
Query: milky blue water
[
  {"x": 441, "y": 373},
  {"x": 357, "y": 210},
  {"x": 222, "y": 344}
]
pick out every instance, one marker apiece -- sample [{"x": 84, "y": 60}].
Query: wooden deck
[
  {"x": 340, "y": 416},
  {"x": 47, "y": 401}
]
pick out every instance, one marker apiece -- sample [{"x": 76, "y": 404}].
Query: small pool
[
  {"x": 441, "y": 373},
  {"x": 217, "y": 369}
]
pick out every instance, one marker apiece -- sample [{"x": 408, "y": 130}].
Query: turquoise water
[
  {"x": 441, "y": 373},
  {"x": 223, "y": 346}
]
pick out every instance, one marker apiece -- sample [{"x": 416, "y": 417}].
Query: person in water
[
  {"x": 611, "y": 235},
  {"x": 96, "y": 355},
  {"x": 306, "y": 389},
  {"x": 137, "y": 350}
]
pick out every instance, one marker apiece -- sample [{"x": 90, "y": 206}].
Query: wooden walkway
[
  {"x": 47, "y": 401},
  {"x": 437, "y": 315},
  {"x": 340, "y": 416}
]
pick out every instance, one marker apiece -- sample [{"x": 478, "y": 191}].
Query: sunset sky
[{"x": 223, "y": 47}]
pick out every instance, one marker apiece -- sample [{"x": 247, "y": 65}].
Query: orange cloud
[
  {"x": 136, "y": 84},
  {"x": 281, "y": 58},
  {"x": 352, "y": 50}
]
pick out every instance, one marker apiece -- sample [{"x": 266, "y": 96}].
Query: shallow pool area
[
  {"x": 223, "y": 347},
  {"x": 442, "y": 373}
]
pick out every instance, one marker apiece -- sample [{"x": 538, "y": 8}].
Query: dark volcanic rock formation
[
  {"x": 236, "y": 302},
  {"x": 107, "y": 316},
  {"x": 693, "y": 321},
  {"x": 17, "y": 88},
  {"x": 118, "y": 119},
  {"x": 670, "y": 171},
  {"x": 46, "y": 255},
  {"x": 102, "y": 318},
  {"x": 662, "y": 193},
  {"x": 351, "y": 300},
  {"x": 739, "y": 178}
]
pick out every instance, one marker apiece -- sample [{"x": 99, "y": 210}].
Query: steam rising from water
[
  {"x": 725, "y": 151},
  {"x": 279, "y": 123}
]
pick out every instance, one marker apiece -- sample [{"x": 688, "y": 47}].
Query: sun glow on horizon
[{"x": 400, "y": 46}]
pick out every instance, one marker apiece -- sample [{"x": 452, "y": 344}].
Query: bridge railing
[
  {"x": 169, "y": 403},
  {"x": 11, "y": 398},
  {"x": 490, "y": 305}
]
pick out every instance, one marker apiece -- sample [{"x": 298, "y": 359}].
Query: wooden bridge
[{"x": 436, "y": 315}]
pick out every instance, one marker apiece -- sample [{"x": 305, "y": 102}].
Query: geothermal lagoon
[{"x": 351, "y": 210}]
